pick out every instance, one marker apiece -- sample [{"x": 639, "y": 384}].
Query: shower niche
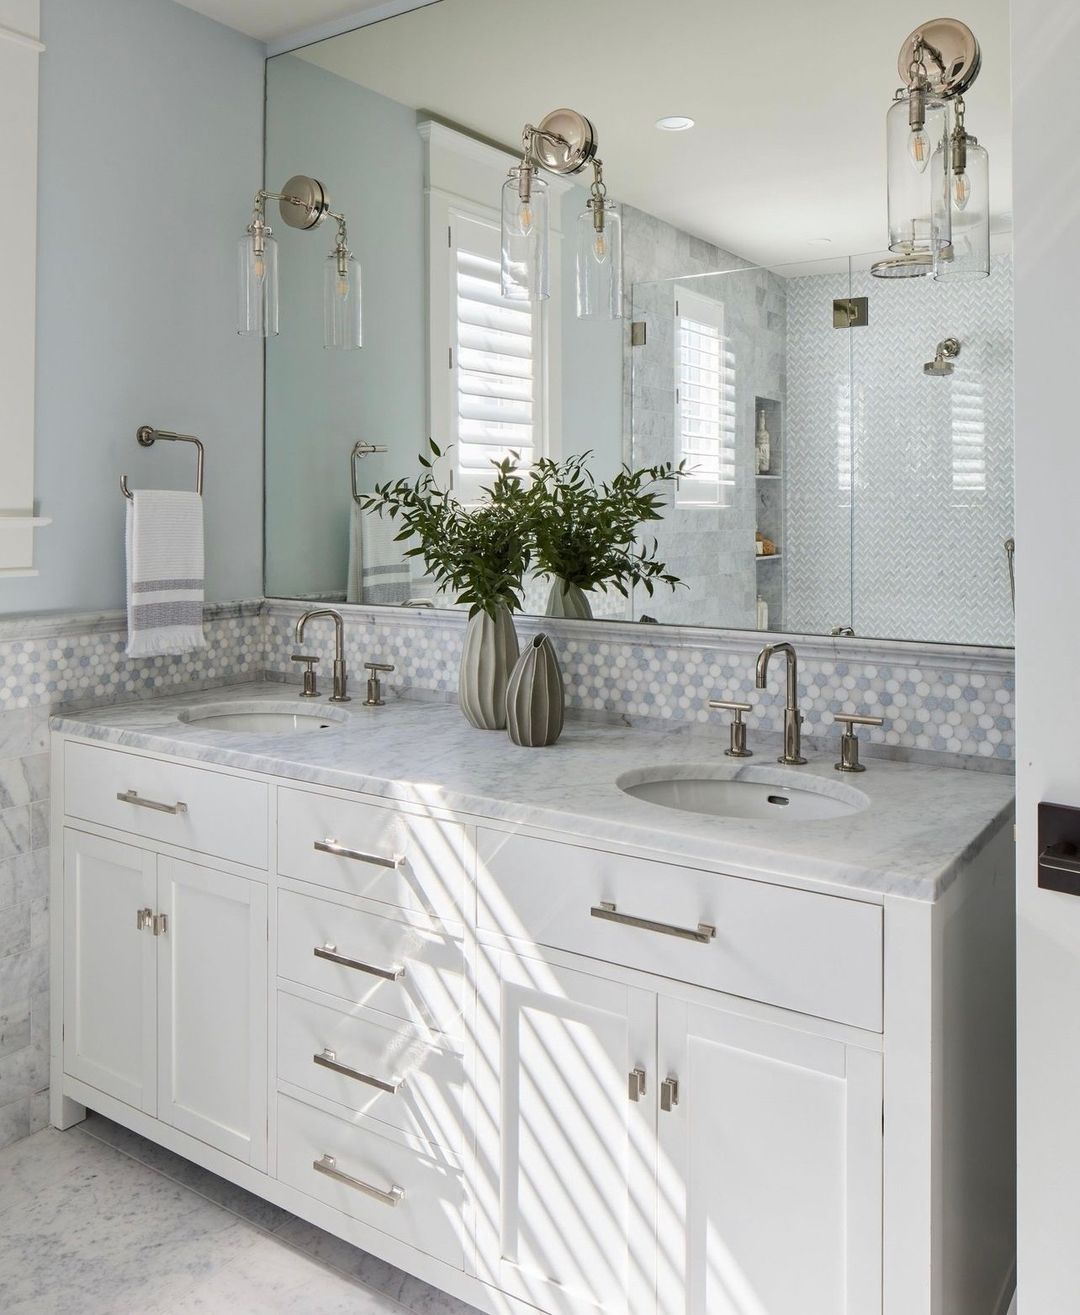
[{"x": 769, "y": 508}]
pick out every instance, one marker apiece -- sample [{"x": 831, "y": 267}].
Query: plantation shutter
[
  {"x": 494, "y": 359},
  {"x": 705, "y": 402}
]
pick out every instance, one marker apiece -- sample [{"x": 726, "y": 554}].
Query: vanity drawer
[
  {"x": 425, "y": 1082},
  {"x": 817, "y": 954},
  {"x": 369, "y": 952},
  {"x": 415, "y": 1197},
  {"x": 225, "y": 816},
  {"x": 365, "y": 849}
]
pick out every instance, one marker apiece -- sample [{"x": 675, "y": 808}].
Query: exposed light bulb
[
  {"x": 961, "y": 190},
  {"x": 260, "y": 266},
  {"x": 919, "y": 149},
  {"x": 342, "y": 285},
  {"x": 525, "y": 215},
  {"x": 600, "y": 247}
]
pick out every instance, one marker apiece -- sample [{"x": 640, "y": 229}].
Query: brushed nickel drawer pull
[
  {"x": 703, "y": 933},
  {"x": 330, "y": 953},
  {"x": 331, "y": 846},
  {"x": 144, "y": 918},
  {"x": 328, "y": 1059},
  {"x": 132, "y": 797},
  {"x": 669, "y": 1094},
  {"x": 328, "y": 1165}
]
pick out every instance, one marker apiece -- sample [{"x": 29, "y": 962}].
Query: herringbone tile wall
[{"x": 896, "y": 479}]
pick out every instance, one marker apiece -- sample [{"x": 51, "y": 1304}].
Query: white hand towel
[
  {"x": 378, "y": 571},
  {"x": 164, "y": 572}
]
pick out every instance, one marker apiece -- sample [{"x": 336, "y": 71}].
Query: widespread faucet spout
[
  {"x": 340, "y": 694},
  {"x": 792, "y": 716}
]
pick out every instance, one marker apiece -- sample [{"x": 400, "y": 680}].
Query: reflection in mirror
[{"x": 833, "y": 485}]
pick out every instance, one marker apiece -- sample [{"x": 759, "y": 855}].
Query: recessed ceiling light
[
  {"x": 821, "y": 241},
  {"x": 674, "y": 123}
]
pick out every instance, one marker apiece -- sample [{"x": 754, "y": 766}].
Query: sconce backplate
[
  {"x": 574, "y": 151},
  {"x": 960, "y": 55},
  {"x": 304, "y": 202}
]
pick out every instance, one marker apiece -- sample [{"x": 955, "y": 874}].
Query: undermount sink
[
  {"x": 756, "y": 793},
  {"x": 268, "y": 719}
]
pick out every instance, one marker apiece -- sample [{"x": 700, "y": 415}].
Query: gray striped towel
[{"x": 164, "y": 572}]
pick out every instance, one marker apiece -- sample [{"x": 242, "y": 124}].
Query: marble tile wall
[
  {"x": 899, "y": 489},
  {"x": 45, "y": 661},
  {"x": 934, "y": 698}
]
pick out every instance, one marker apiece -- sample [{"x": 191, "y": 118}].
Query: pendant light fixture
[
  {"x": 969, "y": 198},
  {"x": 938, "y": 62},
  {"x": 563, "y": 143},
  {"x": 599, "y": 254},
  {"x": 303, "y": 203}
]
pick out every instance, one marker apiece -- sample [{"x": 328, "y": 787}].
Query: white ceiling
[
  {"x": 269, "y": 19},
  {"x": 789, "y": 98}
]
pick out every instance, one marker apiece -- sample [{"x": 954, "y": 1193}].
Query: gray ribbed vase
[
  {"x": 535, "y": 697},
  {"x": 491, "y": 649},
  {"x": 568, "y": 600}
]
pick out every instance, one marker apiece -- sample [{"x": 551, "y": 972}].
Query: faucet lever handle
[
  {"x": 849, "y": 741},
  {"x": 310, "y": 691},
  {"x": 738, "y": 747},
  {"x": 374, "y": 687}
]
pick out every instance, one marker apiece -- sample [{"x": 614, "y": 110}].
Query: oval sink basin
[
  {"x": 755, "y": 793},
  {"x": 270, "y": 719}
]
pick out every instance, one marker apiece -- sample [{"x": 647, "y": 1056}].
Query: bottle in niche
[
  {"x": 762, "y": 450},
  {"x": 762, "y": 614}
]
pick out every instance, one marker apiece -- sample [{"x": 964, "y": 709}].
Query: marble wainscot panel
[
  {"x": 917, "y": 825},
  {"x": 75, "y": 660},
  {"x": 935, "y": 699}
]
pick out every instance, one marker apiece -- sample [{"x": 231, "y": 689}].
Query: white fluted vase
[
  {"x": 488, "y": 657},
  {"x": 535, "y": 698},
  {"x": 568, "y": 600}
]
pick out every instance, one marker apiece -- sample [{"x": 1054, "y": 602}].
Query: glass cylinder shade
[
  {"x": 342, "y": 324},
  {"x": 918, "y": 168},
  {"x": 257, "y": 287},
  {"x": 970, "y": 199},
  {"x": 599, "y": 263},
  {"x": 524, "y": 264}
]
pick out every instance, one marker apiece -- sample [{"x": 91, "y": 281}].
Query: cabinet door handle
[
  {"x": 669, "y": 1094},
  {"x": 330, "y": 953},
  {"x": 144, "y": 918},
  {"x": 328, "y": 1165},
  {"x": 328, "y": 1059},
  {"x": 161, "y": 924},
  {"x": 637, "y": 1083},
  {"x": 132, "y": 797},
  {"x": 703, "y": 933},
  {"x": 329, "y": 846}
]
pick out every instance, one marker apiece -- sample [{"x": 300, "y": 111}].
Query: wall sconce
[
  {"x": 303, "y": 204},
  {"x": 563, "y": 143},
  {"x": 934, "y": 172}
]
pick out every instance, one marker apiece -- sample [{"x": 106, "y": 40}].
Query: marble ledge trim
[
  {"x": 883, "y": 652},
  {"x": 45, "y": 625}
]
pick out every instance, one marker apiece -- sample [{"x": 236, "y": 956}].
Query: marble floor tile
[
  {"x": 253, "y": 1208},
  {"x": 101, "y": 1221}
]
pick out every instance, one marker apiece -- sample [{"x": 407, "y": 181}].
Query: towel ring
[
  {"x": 360, "y": 449},
  {"x": 147, "y": 437}
]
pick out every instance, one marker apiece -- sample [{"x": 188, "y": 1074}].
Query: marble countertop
[{"x": 922, "y": 823}]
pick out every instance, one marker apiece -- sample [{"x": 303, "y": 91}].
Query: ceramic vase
[
  {"x": 535, "y": 697},
  {"x": 488, "y": 657},
  {"x": 568, "y": 600}
]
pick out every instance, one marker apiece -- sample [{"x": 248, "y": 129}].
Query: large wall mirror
[{"x": 838, "y": 485}]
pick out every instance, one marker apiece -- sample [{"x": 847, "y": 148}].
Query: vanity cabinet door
[
  {"x": 110, "y": 1027},
  {"x": 566, "y": 1159},
  {"x": 770, "y": 1169},
  {"x": 212, "y": 1008}
]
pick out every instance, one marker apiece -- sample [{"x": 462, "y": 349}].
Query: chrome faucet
[
  {"x": 340, "y": 694},
  {"x": 792, "y": 716}
]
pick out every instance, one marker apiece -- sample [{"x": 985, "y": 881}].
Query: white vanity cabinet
[{"x": 538, "y": 1073}]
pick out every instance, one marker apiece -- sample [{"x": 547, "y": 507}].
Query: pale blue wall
[{"x": 150, "y": 149}]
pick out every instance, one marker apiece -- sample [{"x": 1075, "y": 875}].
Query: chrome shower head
[{"x": 946, "y": 352}]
